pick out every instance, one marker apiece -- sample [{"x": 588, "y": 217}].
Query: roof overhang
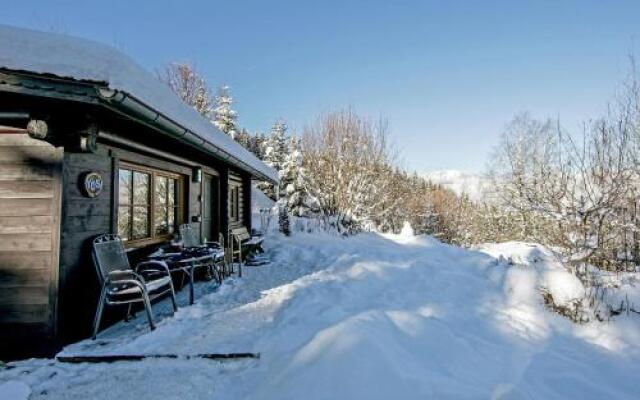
[{"x": 124, "y": 104}]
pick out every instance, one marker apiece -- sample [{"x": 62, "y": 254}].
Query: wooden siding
[
  {"x": 83, "y": 219},
  {"x": 30, "y": 186}
]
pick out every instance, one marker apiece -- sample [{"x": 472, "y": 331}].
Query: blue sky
[{"x": 447, "y": 75}]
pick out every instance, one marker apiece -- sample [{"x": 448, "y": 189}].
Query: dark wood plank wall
[
  {"x": 30, "y": 180},
  {"x": 83, "y": 219},
  {"x": 29, "y": 246}
]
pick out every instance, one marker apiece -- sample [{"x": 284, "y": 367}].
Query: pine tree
[
  {"x": 294, "y": 188},
  {"x": 275, "y": 150},
  {"x": 275, "y": 147},
  {"x": 243, "y": 137},
  {"x": 256, "y": 145},
  {"x": 225, "y": 116}
]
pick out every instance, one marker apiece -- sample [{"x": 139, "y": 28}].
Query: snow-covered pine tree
[
  {"x": 294, "y": 188},
  {"x": 225, "y": 116},
  {"x": 255, "y": 144},
  {"x": 275, "y": 151},
  {"x": 243, "y": 137}
]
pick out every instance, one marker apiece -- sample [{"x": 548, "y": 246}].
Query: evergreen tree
[
  {"x": 294, "y": 188},
  {"x": 274, "y": 153},
  {"x": 225, "y": 116},
  {"x": 255, "y": 144},
  {"x": 244, "y": 138},
  {"x": 275, "y": 147}
]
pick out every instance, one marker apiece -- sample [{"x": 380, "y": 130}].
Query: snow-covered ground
[
  {"x": 371, "y": 316},
  {"x": 260, "y": 203}
]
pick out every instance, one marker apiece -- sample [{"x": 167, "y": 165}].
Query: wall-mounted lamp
[
  {"x": 37, "y": 129},
  {"x": 197, "y": 174}
]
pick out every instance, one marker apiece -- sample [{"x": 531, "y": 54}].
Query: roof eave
[{"x": 134, "y": 108}]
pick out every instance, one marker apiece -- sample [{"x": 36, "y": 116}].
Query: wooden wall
[
  {"x": 83, "y": 219},
  {"x": 30, "y": 176},
  {"x": 48, "y": 283}
]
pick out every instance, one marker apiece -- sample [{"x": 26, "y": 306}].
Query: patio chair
[
  {"x": 123, "y": 285},
  {"x": 191, "y": 240}
]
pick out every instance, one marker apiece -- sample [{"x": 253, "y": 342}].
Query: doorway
[{"x": 210, "y": 207}]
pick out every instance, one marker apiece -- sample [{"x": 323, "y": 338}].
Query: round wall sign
[{"x": 92, "y": 184}]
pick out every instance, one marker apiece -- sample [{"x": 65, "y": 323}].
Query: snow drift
[{"x": 371, "y": 316}]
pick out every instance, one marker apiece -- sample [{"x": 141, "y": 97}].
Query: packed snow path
[{"x": 369, "y": 316}]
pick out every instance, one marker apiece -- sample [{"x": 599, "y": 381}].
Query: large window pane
[
  {"x": 124, "y": 222},
  {"x": 160, "y": 195},
  {"x": 171, "y": 220},
  {"x": 124, "y": 187},
  {"x": 161, "y": 224},
  {"x": 171, "y": 190},
  {"x": 141, "y": 183},
  {"x": 140, "y": 222},
  {"x": 165, "y": 193},
  {"x": 148, "y": 205}
]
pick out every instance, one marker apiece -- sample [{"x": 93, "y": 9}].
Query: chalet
[{"x": 91, "y": 143}]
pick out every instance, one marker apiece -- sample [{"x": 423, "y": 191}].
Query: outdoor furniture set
[{"x": 151, "y": 279}]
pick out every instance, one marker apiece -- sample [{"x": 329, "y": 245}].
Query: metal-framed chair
[
  {"x": 191, "y": 240},
  {"x": 123, "y": 285}
]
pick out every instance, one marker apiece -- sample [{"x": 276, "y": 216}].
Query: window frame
[
  {"x": 234, "y": 203},
  {"x": 153, "y": 173}
]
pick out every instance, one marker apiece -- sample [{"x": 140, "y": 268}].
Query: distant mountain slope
[{"x": 460, "y": 182}]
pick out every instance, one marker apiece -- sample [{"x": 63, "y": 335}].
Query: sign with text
[{"x": 91, "y": 184}]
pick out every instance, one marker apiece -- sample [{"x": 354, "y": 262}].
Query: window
[
  {"x": 149, "y": 205},
  {"x": 234, "y": 203}
]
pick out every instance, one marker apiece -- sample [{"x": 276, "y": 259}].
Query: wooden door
[
  {"x": 210, "y": 207},
  {"x": 30, "y": 176}
]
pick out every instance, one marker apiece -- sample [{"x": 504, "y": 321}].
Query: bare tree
[
  {"x": 347, "y": 157},
  {"x": 186, "y": 82},
  {"x": 569, "y": 191}
]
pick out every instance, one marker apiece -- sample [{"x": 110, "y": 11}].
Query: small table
[{"x": 178, "y": 262}]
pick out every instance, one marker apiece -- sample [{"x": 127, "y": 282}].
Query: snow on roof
[{"x": 86, "y": 60}]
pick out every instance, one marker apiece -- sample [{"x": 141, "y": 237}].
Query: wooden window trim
[
  {"x": 234, "y": 203},
  {"x": 180, "y": 202}
]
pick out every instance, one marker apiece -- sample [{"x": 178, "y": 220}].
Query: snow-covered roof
[{"x": 86, "y": 60}]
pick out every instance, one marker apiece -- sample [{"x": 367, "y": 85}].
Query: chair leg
[
  {"x": 173, "y": 297},
  {"x": 191, "y": 290},
  {"x": 128, "y": 315},
  {"x": 240, "y": 263},
  {"x": 219, "y": 272},
  {"x": 98, "y": 317},
  {"x": 147, "y": 306}
]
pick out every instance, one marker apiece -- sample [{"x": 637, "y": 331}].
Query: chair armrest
[
  {"x": 152, "y": 267},
  {"x": 121, "y": 275},
  {"x": 135, "y": 282}
]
